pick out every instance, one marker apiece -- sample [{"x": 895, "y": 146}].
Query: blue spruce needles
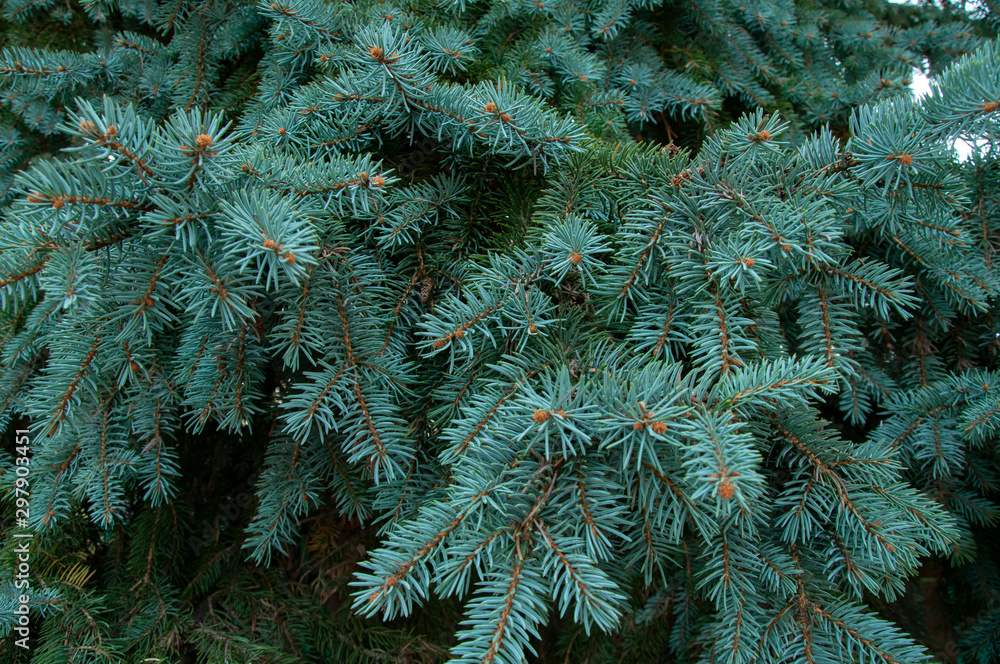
[{"x": 610, "y": 330}]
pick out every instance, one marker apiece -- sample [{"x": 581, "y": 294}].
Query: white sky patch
[{"x": 921, "y": 87}]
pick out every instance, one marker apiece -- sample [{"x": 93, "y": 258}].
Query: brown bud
[
  {"x": 541, "y": 416},
  {"x": 376, "y": 52},
  {"x": 726, "y": 489},
  {"x": 659, "y": 427},
  {"x": 440, "y": 343},
  {"x": 459, "y": 333},
  {"x": 505, "y": 117},
  {"x": 58, "y": 202},
  {"x": 425, "y": 288},
  {"x": 575, "y": 258},
  {"x": 282, "y": 131},
  {"x": 112, "y": 131},
  {"x": 905, "y": 159},
  {"x": 378, "y": 181},
  {"x": 490, "y": 107},
  {"x": 203, "y": 141},
  {"x": 270, "y": 244},
  {"x": 289, "y": 257},
  {"x": 638, "y": 426},
  {"x": 747, "y": 262},
  {"x": 990, "y": 106}
]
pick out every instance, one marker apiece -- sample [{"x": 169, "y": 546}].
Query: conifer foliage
[{"x": 586, "y": 330}]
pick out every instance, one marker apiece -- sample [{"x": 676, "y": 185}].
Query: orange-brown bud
[
  {"x": 541, "y": 416},
  {"x": 575, "y": 258},
  {"x": 726, "y": 490},
  {"x": 203, "y": 141},
  {"x": 990, "y": 106},
  {"x": 376, "y": 52},
  {"x": 270, "y": 244},
  {"x": 490, "y": 107},
  {"x": 659, "y": 427}
]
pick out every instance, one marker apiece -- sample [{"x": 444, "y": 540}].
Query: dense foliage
[{"x": 582, "y": 330}]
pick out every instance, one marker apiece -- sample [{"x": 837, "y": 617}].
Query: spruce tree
[{"x": 500, "y": 331}]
